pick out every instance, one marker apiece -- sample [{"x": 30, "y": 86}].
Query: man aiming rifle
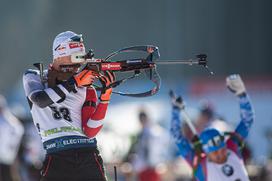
[
  {"x": 219, "y": 157},
  {"x": 67, "y": 112}
]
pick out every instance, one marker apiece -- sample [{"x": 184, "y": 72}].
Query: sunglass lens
[{"x": 77, "y": 39}]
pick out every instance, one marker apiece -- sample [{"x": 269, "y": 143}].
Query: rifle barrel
[{"x": 187, "y": 62}]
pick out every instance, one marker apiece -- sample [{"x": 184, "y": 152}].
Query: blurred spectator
[
  {"x": 149, "y": 149},
  {"x": 11, "y": 132},
  {"x": 31, "y": 153},
  {"x": 205, "y": 117}
]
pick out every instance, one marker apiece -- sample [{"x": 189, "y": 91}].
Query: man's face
[{"x": 219, "y": 156}]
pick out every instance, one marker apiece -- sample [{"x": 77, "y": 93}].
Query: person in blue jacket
[{"x": 220, "y": 156}]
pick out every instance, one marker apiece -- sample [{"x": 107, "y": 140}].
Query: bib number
[{"x": 61, "y": 113}]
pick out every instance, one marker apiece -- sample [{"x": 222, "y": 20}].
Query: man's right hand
[{"x": 85, "y": 78}]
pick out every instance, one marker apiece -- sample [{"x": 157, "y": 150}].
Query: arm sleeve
[
  {"x": 92, "y": 114},
  {"x": 246, "y": 115},
  {"x": 242, "y": 130},
  {"x": 41, "y": 96},
  {"x": 183, "y": 144}
]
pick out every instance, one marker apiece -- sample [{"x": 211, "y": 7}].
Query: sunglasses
[{"x": 77, "y": 38}]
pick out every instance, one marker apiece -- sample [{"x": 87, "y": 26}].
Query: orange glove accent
[
  {"x": 106, "y": 80},
  {"x": 85, "y": 77},
  {"x": 105, "y": 97}
]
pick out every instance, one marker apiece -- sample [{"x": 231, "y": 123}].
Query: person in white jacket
[{"x": 11, "y": 133}]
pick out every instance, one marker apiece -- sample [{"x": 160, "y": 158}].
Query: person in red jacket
[{"x": 68, "y": 113}]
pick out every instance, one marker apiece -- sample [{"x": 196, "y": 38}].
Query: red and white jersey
[
  {"x": 233, "y": 169},
  {"x": 76, "y": 116}
]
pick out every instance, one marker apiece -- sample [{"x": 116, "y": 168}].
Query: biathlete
[
  {"x": 220, "y": 156},
  {"x": 68, "y": 113}
]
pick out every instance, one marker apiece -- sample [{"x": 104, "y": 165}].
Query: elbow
[
  {"x": 41, "y": 99},
  {"x": 92, "y": 128},
  {"x": 91, "y": 132}
]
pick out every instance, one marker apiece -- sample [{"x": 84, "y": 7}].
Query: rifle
[{"x": 145, "y": 65}]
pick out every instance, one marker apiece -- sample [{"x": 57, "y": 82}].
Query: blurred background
[{"x": 236, "y": 36}]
